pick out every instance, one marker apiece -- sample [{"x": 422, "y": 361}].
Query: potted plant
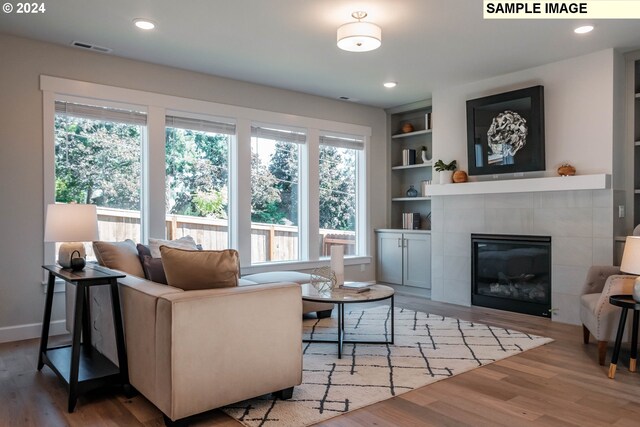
[{"x": 446, "y": 170}]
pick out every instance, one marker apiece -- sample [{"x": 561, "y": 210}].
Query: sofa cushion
[
  {"x": 152, "y": 267},
  {"x": 185, "y": 242},
  {"x": 121, "y": 256},
  {"x": 194, "y": 269}
]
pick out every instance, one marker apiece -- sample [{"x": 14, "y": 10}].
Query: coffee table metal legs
[{"x": 341, "y": 341}]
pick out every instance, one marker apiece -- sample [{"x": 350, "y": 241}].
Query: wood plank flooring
[{"x": 559, "y": 384}]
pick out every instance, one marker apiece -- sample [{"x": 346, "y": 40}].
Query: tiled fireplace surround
[{"x": 581, "y": 225}]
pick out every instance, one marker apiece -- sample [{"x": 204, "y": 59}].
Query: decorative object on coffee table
[
  {"x": 566, "y": 169},
  {"x": 337, "y": 263},
  {"x": 323, "y": 279},
  {"x": 71, "y": 224},
  {"x": 412, "y": 192},
  {"x": 631, "y": 262}
]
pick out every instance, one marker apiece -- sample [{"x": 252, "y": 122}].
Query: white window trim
[{"x": 157, "y": 105}]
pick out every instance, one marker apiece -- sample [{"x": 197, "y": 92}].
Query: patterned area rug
[{"x": 427, "y": 349}]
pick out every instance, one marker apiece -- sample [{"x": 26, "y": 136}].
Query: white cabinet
[{"x": 404, "y": 258}]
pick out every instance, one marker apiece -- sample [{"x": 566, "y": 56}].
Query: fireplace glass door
[{"x": 512, "y": 273}]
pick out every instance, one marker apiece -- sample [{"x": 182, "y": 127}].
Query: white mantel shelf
[{"x": 523, "y": 185}]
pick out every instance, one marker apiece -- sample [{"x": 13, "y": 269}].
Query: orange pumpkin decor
[
  {"x": 566, "y": 169},
  {"x": 460, "y": 176},
  {"x": 407, "y": 127}
]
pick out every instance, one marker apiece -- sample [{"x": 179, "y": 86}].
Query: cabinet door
[
  {"x": 417, "y": 260},
  {"x": 389, "y": 258}
]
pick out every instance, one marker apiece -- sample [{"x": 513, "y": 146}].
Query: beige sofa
[{"x": 192, "y": 351}]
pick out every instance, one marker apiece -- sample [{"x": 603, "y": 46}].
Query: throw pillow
[
  {"x": 121, "y": 256},
  {"x": 194, "y": 269},
  {"x": 152, "y": 267},
  {"x": 185, "y": 242}
]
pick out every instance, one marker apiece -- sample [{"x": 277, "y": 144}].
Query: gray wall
[{"x": 21, "y": 153}]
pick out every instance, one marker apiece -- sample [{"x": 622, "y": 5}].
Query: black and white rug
[{"x": 427, "y": 349}]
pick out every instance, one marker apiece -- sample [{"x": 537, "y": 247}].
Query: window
[
  {"x": 338, "y": 201},
  {"x": 98, "y": 160},
  {"x": 197, "y": 180},
  {"x": 275, "y": 165}
]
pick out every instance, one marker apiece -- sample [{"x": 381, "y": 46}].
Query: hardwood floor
[{"x": 558, "y": 384}]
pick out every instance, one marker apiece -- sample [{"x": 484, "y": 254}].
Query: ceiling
[{"x": 291, "y": 44}]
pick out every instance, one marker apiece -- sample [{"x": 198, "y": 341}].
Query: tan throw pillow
[
  {"x": 194, "y": 269},
  {"x": 185, "y": 242},
  {"x": 121, "y": 256}
]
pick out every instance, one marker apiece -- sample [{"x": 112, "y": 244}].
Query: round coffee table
[{"x": 340, "y": 297}]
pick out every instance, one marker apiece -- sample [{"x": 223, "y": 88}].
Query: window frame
[{"x": 157, "y": 106}]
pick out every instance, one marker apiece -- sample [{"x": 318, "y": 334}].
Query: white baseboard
[{"x": 31, "y": 330}]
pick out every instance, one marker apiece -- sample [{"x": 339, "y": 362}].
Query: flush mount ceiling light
[
  {"x": 144, "y": 24},
  {"x": 390, "y": 84},
  {"x": 584, "y": 29},
  {"x": 359, "y": 36}
]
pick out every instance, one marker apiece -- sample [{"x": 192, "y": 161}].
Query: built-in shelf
[
  {"x": 524, "y": 185},
  {"x": 419, "y": 165},
  {"x": 408, "y": 134},
  {"x": 410, "y": 199}
]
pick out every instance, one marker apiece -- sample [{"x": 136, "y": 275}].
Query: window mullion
[
  {"x": 309, "y": 200},
  {"x": 240, "y": 194},
  {"x": 153, "y": 178}
]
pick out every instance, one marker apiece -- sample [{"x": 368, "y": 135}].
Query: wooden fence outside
[{"x": 269, "y": 242}]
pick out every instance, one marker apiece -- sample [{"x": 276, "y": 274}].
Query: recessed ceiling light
[
  {"x": 390, "y": 84},
  {"x": 584, "y": 29},
  {"x": 144, "y": 24}
]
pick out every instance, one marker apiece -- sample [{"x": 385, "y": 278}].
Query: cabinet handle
[
  {"x": 400, "y": 243},
  {"x": 405, "y": 243}
]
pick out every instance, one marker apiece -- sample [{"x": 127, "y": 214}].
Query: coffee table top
[{"x": 340, "y": 296}]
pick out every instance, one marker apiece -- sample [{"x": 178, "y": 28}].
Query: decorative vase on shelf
[
  {"x": 412, "y": 192},
  {"x": 446, "y": 177},
  {"x": 425, "y": 158}
]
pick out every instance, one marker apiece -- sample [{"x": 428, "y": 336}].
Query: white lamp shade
[
  {"x": 71, "y": 223},
  {"x": 631, "y": 256},
  {"x": 359, "y": 37}
]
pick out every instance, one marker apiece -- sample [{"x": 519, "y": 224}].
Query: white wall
[
  {"x": 21, "y": 155},
  {"x": 578, "y": 107}
]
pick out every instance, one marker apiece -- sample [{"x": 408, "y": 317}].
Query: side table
[
  {"x": 626, "y": 302},
  {"x": 80, "y": 365}
]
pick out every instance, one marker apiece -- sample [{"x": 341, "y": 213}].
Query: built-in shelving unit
[
  {"x": 636, "y": 147},
  {"x": 403, "y": 176}
]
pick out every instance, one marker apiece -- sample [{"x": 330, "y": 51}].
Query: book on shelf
[
  {"x": 408, "y": 157},
  {"x": 357, "y": 287},
  {"x": 411, "y": 221}
]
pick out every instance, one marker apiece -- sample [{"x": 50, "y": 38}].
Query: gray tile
[
  {"x": 568, "y": 308},
  {"x": 602, "y": 198},
  {"x": 437, "y": 242},
  {"x": 457, "y": 244},
  {"x": 468, "y": 201},
  {"x": 437, "y": 267},
  {"x": 568, "y": 279},
  {"x": 564, "y": 199},
  {"x": 510, "y": 200},
  {"x": 565, "y": 222},
  {"x": 509, "y": 221},
  {"x": 437, "y": 219},
  {"x": 603, "y": 251},
  {"x": 457, "y": 292},
  {"x": 576, "y": 251},
  {"x": 603, "y": 222},
  {"x": 437, "y": 202},
  {"x": 437, "y": 289},
  {"x": 457, "y": 268},
  {"x": 463, "y": 220}
]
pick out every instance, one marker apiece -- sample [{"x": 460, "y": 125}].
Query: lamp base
[
  {"x": 636, "y": 290},
  {"x": 67, "y": 249}
]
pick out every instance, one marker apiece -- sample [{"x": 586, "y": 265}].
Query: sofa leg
[
  {"x": 177, "y": 423},
  {"x": 285, "y": 394},
  {"x": 324, "y": 314},
  {"x": 585, "y": 334},
  {"x": 602, "y": 351}
]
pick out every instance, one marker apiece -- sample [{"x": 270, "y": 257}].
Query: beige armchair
[{"x": 599, "y": 318}]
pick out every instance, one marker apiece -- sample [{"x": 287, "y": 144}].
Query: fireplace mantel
[{"x": 523, "y": 185}]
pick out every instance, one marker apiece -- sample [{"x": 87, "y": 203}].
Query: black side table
[
  {"x": 626, "y": 302},
  {"x": 80, "y": 365}
]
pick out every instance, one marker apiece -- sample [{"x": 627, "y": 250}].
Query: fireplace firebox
[{"x": 511, "y": 273}]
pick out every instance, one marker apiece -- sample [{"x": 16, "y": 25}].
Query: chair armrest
[
  {"x": 596, "y": 278},
  {"x": 615, "y": 285}
]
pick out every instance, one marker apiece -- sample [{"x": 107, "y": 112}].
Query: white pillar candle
[{"x": 337, "y": 263}]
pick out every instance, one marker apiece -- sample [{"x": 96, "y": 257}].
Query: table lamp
[
  {"x": 71, "y": 224},
  {"x": 631, "y": 262}
]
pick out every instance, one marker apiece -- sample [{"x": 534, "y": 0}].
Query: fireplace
[{"x": 511, "y": 273}]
